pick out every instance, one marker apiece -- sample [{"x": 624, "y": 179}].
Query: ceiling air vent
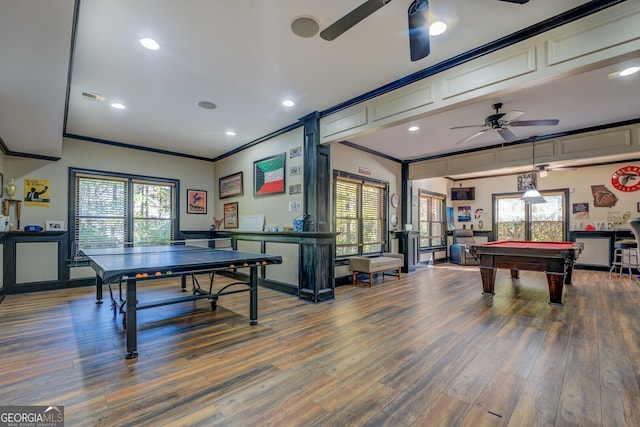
[{"x": 93, "y": 97}]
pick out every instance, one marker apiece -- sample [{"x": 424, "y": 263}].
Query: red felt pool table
[{"x": 556, "y": 259}]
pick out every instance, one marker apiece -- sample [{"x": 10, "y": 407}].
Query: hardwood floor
[{"x": 427, "y": 350}]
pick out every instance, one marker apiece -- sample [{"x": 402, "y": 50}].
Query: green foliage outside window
[{"x": 515, "y": 220}]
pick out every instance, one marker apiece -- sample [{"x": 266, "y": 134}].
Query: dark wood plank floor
[{"x": 428, "y": 350}]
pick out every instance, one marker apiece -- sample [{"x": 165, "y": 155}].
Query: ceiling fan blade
[
  {"x": 507, "y": 135},
  {"x": 516, "y": 1},
  {"x": 468, "y": 126},
  {"x": 472, "y": 136},
  {"x": 418, "y": 15},
  {"x": 511, "y": 115},
  {"x": 548, "y": 122},
  {"x": 562, "y": 169},
  {"x": 351, "y": 19}
]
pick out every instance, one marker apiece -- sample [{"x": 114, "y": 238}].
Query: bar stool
[{"x": 625, "y": 255}]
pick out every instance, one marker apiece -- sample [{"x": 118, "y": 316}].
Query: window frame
[
  {"x": 131, "y": 180},
  {"x": 430, "y": 195},
  {"x": 384, "y": 219},
  {"x": 527, "y": 220}
]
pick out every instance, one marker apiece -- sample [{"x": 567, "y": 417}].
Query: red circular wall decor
[{"x": 626, "y": 179}]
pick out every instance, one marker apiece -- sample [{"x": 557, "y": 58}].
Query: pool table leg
[
  {"x": 488, "y": 275},
  {"x": 568, "y": 272},
  {"x": 555, "y": 282}
]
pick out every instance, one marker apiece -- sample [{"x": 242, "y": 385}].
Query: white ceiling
[{"x": 243, "y": 56}]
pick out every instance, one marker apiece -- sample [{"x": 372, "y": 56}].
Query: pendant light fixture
[{"x": 532, "y": 195}]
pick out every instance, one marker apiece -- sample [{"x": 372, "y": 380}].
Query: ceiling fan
[
  {"x": 543, "y": 170},
  {"x": 501, "y": 122},
  {"x": 418, "y": 16}
]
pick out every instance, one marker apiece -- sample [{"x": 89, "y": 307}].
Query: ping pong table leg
[
  {"x": 131, "y": 320},
  {"x": 98, "y": 289},
  {"x": 253, "y": 296}
]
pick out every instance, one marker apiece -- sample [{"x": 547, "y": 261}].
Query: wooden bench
[{"x": 388, "y": 264}]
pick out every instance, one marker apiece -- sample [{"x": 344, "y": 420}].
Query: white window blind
[
  {"x": 359, "y": 216},
  {"x": 101, "y": 211},
  {"x": 114, "y": 211}
]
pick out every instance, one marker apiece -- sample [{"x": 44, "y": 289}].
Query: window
[
  {"x": 515, "y": 220},
  {"x": 360, "y": 214},
  {"x": 116, "y": 209},
  {"x": 432, "y": 219}
]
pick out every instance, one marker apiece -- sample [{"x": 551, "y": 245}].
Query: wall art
[
  {"x": 268, "y": 175},
  {"x": 196, "y": 202},
  {"x": 230, "y": 185}
]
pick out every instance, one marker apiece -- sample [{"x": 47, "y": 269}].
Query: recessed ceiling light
[
  {"x": 414, "y": 129},
  {"x": 149, "y": 43},
  {"x": 288, "y": 103},
  {"x": 118, "y": 106},
  {"x": 230, "y": 133},
  {"x": 629, "y": 71},
  {"x": 437, "y": 28},
  {"x": 207, "y": 105}
]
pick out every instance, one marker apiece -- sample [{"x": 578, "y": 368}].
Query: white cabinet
[{"x": 596, "y": 251}]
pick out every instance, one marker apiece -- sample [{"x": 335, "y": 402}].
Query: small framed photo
[
  {"x": 295, "y": 189},
  {"x": 295, "y": 152},
  {"x": 54, "y": 225},
  {"x": 196, "y": 202},
  {"x": 231, "y": 215},
  {"x": 231, "y": 185}
]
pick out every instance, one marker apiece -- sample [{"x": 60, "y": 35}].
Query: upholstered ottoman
[{"x": 387, "y": 264}]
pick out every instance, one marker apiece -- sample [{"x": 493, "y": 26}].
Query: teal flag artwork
[{"x": 269, "y": 175}]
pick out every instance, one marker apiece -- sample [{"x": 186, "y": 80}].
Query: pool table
[{"x": 556, "y": 259}]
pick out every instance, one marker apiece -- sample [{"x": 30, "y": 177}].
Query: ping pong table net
[{"x": 78, "y": 259}]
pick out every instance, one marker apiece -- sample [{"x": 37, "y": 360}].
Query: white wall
[
  {"x": 350, "y": 160},
  {"x": 275, "y": 208},
  {"x": 434, "y": 185},
  {"x": 579, "y": 182},
  {"x": 192, "y": 174}
]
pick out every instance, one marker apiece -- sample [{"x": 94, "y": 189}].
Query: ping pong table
[{"x": 141, "y": 263}]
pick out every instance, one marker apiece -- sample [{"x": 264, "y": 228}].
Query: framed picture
[
  {"x": 526, "y": 180},
  {"x": 464, "y": 213},
  {"x": 638, "y": 207},
  {"x": 581, "y": 210},
  {"x": 231, "y": 215},
  {"x": 295, "y": 189},
  {"x": 54, "y": 225},
  {"x": 230, "y": 185},
  {"x": 295, "y": 152},
  {"x": 268, "y": 175},
  {"x": 196, "y": 201}
]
